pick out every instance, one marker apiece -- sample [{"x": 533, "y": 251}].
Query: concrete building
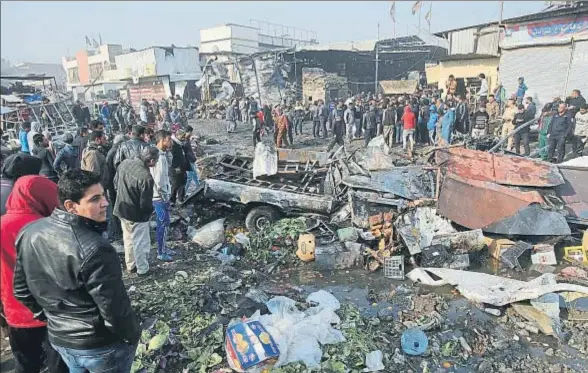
[
  {"x": 91, "y": 73},
  {"x": 159, "y": 72},
  {"x": 549, "y": 49},
  {"x": 255, "y": 37}
]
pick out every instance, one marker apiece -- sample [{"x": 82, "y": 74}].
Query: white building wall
[
  {"x": 183, "y": 65},
  {"x": 136, "y": 64}
]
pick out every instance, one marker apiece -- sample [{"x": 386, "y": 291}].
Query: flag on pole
[
  {"x": 95, "y": 43},
  {"x": 88, "y": 43},
  {"x": 393, "y": 11},
  {"x": 100, "y": 38},
  {"x": 416, "y": 7},
  {"x": 428, "y": 15}
]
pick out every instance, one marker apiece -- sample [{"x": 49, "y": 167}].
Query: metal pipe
[
  {"x": 572, "y": 47},
  {"x": 518, "y": 129}
]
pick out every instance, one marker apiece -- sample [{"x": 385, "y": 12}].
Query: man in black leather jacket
[
  {"x": 131, "y": 148},
  {"x": 67, "y": 274}
]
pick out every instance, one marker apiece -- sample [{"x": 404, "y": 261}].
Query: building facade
[
  {"x": 256, "y": 37},
  {"x": 91, "y": 73},
  {"x": 548, "y": 49},
  {"x": 159, "y": 72}
]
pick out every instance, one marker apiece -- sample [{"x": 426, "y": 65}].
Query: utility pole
[{"x": 377, "y": 60}]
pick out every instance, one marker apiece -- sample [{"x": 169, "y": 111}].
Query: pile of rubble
[{"x": 449, "y": 215}]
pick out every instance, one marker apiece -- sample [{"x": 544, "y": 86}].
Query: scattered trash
[
  {"x": 542, "y": 268},
  {"x": 242, "y": 239},
  {"x": 394, "y": 267},
  {"x": 461, "y": 261},
  {"x": 347, "y": 234},
  {"x": 543, "y": 254},
  {"x": 306, "y": 245},
  {"x": 414, "y": 342},
  {"x": 334, "y": 256},
  {"x": 574, "y": 272},
  {"x": 434, "y": 256},
  {"x": 539, "y": 319},
  {"x": 497, "y": 246},
  {"x": 373, "y": 361},
  {"x": 576, "y": 254},
  {"x": 298, "y": 334},
  {"x": 418, "y": 227},
  {"x": 494, "y": 290},
  {"x": 248, "y": 344},
  {"x": 510, "y": 256},
  {"x": 209, "y": 235},
  {"x": 549, "y": 305}
]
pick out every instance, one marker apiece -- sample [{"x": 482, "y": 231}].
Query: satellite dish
[{"x": 215, "y": 48}]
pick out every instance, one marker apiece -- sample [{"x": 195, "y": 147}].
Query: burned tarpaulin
[
  {"x": 497, "y": 168},
  {"x": 575, "y": 194},
  {"x": 406, "y": 182},
  {"x": 498, "y": 209}
]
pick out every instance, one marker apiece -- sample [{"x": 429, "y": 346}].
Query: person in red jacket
[
  {"x": 33, "y": 197},
  {"x": 408, "y": 120}
]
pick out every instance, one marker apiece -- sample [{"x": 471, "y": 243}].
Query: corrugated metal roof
[
  {"x": 354, "y": 46},
  {"x": 579, "y": 8}
]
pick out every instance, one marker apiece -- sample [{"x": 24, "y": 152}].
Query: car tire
[{"x": 261, "y": 216}]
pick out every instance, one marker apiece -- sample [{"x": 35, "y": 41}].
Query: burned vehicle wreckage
[
  {"x": 301, "y": 183},
  {"x": 475, "y": 190}
]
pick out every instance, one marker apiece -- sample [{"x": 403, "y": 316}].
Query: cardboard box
[
  {"x": 248, "y": 344},
  {"x": 543, "y": 254},
  {"x": 496, "y": 246}
]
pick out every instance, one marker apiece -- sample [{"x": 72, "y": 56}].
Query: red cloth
[
  {"x": 32, "y": 198},
  {"x": 408, "y": 118}
]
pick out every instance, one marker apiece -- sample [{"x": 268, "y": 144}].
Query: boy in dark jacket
[{"x": 85, "y": 303}]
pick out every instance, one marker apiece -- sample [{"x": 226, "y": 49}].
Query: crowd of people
[
  {"x": 79, "y": 196},
  {"x": 428, "y": 117}
]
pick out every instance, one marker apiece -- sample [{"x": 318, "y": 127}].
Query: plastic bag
[
  {"x": 242, "y": 239},
  {"x": 297, "y": 333},
  {"x": 209, "y": 235},
  {"x": 373, "y": 361},
  {"x": 265, "y": 161}
]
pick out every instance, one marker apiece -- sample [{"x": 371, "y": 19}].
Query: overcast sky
[{"x": 45, "y": 31}]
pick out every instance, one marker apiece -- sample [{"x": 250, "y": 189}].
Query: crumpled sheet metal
[
  {"x": 497, "y": 168},
  {"x": 494, "y": 290},
  {"x": 406, "y": 182},
  {"x": 497, "y": 209},
  {"x": 575, "y": 193},
  {"x": 418, "y": 228}
]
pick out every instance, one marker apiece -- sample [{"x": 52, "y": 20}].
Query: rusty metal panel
[
  {"x": 477, "y": 204},
  {"x": 497, "y": 168}
]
